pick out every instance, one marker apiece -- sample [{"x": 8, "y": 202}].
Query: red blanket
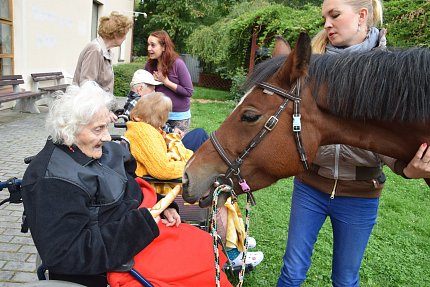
[{"x": 179, "y": 256}]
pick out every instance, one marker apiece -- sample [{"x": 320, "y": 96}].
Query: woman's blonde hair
[
  {"x": 114, "y": 25},
  {"x": 152, "y": 109},
  {"x": 374, "y": 8}
]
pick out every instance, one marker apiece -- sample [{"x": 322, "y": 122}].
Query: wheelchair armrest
[
  {"x": 149, "y": 178},
  {"x": 120, "y": 125}
]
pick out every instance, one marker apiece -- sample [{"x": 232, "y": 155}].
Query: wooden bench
[
  {"x": 55, "y": 77},
  {"x": 10, "y": 91}
]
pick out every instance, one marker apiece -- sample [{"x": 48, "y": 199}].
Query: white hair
[{"x": 75, "y": 108}]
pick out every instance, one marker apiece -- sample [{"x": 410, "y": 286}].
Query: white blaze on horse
[{"x": 378, "y": 101}]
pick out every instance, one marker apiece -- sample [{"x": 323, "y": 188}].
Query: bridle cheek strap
[{"x": 234, "y": 167}]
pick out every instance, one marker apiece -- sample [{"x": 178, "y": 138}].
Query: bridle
[
  {"x": 234, "y": 167},
  {"x": 224, "y": 182}
]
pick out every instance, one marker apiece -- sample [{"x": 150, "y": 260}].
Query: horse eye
[{"x": 249, "y": 117}]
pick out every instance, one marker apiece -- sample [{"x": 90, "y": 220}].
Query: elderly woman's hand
[
  {"x": 172, "y": 217},
  {"x": 419, "y": 166},
  {"x": 112, "y": 117}
]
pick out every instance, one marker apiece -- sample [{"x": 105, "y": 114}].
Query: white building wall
[{"x": 50, "y": 34}]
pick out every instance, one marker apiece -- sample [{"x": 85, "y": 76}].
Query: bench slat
[
  {"x": 54, "y": 88},
  {"x": 16, "y": 96},
  {"x": 11, "y": 82},
  {"x": 47, "y": 76},
  {"x": 11, "y": 77}
]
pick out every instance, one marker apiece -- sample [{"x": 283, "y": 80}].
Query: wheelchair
[
  {"x": 13, "y": 185},
  {"x": 191, "y": 214}
]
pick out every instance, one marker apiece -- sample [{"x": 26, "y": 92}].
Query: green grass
[
  {"x": 210, "y": 94},
  {"x": 398, "y": 253}
]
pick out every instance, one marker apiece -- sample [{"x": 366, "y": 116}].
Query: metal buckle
[
  {"x": 297, "y": 125},
  {"x": 271, "y": 123}
]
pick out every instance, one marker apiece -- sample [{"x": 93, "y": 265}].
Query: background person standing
[
  {"x": 95, "y": 60},
  {"x": 167, "y": 67}
]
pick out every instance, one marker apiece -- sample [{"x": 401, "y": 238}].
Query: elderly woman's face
[{"x": 91, "y": 137}]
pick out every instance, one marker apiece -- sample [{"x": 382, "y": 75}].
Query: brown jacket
[
  {"x": 342, "y": 170},
  {"x": 95, "y": 64}
]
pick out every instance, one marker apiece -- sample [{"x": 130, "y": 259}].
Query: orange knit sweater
[{"x": 149, "y": 148}]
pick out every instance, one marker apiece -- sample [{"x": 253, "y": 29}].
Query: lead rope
[{"x": 215, "y": 236}]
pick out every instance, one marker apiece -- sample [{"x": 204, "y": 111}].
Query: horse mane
[{"x": 378, "y": 85}]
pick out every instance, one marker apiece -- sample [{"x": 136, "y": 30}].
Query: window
[
  {"x": 6, "y": 38},
  {"x": 94, "y": 20}
]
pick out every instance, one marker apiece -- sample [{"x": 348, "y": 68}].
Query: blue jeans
[
  {"x": 352, "y": 222},
  {"x": 194, "y": 139}
]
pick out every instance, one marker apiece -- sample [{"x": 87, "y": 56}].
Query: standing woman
[
  {"x": 345, "y": 182},
  {"x": 95, "y": 60},
  {"x": 167, "y": 67}
]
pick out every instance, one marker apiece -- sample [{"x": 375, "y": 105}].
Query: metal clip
[
  {"x": 297, "y": 125},
  {"x": 244, "y": 185}
]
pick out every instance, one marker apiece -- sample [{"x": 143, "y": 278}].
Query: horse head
[{"x": 238, "y": 153}]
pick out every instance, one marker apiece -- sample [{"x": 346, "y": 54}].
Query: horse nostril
[{"x": 185, "y": 182}]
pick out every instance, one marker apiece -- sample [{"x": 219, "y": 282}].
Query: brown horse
[{"x": 377, "y": 101}]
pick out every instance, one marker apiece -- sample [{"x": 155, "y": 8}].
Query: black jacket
[{"x": 83, "y": 213}]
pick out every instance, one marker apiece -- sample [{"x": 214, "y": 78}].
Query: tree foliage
[
  {"x": 219, "y": 32},
  {"x": 178, "y": 18},
  {"x": 225, "y": 44}
]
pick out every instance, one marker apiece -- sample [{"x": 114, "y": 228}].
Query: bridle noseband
[{"x": 234, "y": 167}]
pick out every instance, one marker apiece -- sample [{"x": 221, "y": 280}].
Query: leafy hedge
[
  {"x": 123, "y": 75},
  {"x": 407, "y": 23}
]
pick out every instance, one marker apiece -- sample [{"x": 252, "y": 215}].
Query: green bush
[
  {"x": 407, "y": 23},
  {"x": 123, "y": 75}
]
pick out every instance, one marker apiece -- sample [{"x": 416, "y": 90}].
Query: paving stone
[
  {"x": 10, "y": 247},
  {"x": 28, "y": 249},
  {"x": 11, "y": 256},
  {"x": 24, "y": 240},
  {"x": 6, "y": 275},
  {"x": 24, "y": 277},
  {"x": 10, "y": 284},
  {"x": 19, "y": 266},
  {"x": 5, "y": 238}
]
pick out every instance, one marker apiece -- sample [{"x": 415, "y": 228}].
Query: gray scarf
[{"x": 371, "y": 41}]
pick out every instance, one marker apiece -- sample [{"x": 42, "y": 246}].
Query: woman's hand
[
  {"x": 419, "y": 166},
  {"x": 158, "y": 76},
  {"x": 179, "y": 132},
  {"x": 172, "y": 217}
]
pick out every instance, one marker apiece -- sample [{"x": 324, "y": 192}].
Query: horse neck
[{"x": 397, "y": 140}]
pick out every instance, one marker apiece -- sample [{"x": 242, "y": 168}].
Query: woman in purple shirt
[{"x": 167, "y": 67}]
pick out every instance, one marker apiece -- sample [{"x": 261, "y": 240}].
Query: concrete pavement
[{"x": 21, "y": 135}]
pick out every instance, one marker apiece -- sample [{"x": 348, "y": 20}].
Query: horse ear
[
  {"x": 297, "y": 63},
  {"x": 281, "y": 47}
]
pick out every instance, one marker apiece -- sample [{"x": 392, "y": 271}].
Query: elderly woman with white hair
[{"x": 86, "y": 212}]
